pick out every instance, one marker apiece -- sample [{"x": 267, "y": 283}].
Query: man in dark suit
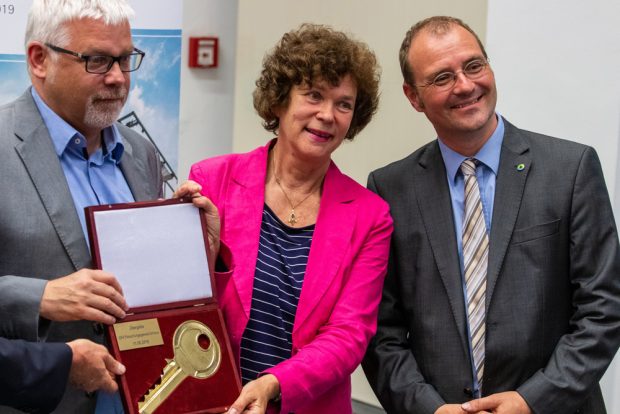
[
  {"x": 503, "y": 289},
  {"x": 35, "y": 375},
  {"x": 60, "y": 151}
]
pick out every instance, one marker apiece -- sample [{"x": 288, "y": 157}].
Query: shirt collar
[
  {"x": 488, "y": 155},
  {"x": 63, "y": 134}
]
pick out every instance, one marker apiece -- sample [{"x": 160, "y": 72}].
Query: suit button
[{"x": 469, "y": 392}]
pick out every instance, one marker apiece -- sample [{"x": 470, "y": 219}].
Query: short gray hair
[{"x": 47, "y": 17}]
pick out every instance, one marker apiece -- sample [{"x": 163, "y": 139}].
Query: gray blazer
[
  {"x": 40, "y": 233},
  {"x": 553, "y": 289}
]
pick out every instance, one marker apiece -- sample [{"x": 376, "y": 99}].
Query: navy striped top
[{"x": 280, "y": 267}]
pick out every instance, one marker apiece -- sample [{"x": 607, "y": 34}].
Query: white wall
[
  {"x": 207, "y": 95},
  {"x": 556, "y": 63},
  {"x": 397, "y": 129}
]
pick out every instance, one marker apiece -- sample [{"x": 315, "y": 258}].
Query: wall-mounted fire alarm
[{"x": 203, "y": 52}]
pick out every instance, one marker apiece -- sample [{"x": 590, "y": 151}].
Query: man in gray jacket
[{"x": 60, "y": 151}]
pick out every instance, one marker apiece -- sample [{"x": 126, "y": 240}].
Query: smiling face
[
  {"x": 316, "y": 119},
  {"x": 464, "y": 112},
  {"x": 87, "y": 101}
]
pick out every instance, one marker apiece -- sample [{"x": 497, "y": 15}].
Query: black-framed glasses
[
  {"x": 474, "y": 69},
  {"x": 101, "y": 64}
]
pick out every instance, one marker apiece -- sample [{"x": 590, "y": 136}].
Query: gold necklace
[{"x": 292, "y": 218}]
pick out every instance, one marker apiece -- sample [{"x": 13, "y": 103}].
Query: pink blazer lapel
[
  {"x": 244, "y": 206},
  {"x": 332, "y": 235}
]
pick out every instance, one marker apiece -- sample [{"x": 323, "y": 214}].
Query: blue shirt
[
  {"x": 92, "y": 181},
  {"x": 280, "y": 268},
  {"x": 486, "y": 173}
]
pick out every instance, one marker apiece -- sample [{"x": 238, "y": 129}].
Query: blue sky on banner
[{"x": 155, "y": 90}]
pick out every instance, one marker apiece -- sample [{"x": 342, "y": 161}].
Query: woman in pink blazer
[{"x": 309, "y": 244}]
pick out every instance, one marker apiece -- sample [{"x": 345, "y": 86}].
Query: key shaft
[{"x": 172, "y": 377}]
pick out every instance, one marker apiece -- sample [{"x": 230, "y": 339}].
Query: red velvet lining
[{"x": 145, "y": 365}]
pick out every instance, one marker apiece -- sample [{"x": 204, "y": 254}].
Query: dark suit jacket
[
  {"x": 40, "y": 232},
  {"x": 34, "y": 375},
  {"x": 553, "y": 287}
]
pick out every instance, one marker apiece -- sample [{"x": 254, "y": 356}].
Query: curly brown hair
[{"x": 317, "y": 52}]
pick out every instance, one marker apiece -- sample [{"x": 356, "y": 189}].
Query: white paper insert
[{"x": 157, "y": 253}]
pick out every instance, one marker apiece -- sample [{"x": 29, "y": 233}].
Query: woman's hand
[
  {"x": 255, "y": 396},
  {"x": 192, "y": 189}
]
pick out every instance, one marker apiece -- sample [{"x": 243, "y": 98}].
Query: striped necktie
[{"x": 475, "y": 259}]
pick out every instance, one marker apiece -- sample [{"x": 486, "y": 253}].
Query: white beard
[{"x": 101, "y": 114}]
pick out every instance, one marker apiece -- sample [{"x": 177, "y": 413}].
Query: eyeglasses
[
  {"x": 474, "y": 69},
  {"x": 100, "y": 64}
]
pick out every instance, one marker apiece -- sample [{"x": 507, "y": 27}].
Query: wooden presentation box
[{"x": 159, "y": 252}]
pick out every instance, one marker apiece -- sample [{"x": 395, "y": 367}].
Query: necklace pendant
[{"x": 292, "y": 219}]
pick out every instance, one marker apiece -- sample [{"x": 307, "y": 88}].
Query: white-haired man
[{"x": 60, "y": 151}]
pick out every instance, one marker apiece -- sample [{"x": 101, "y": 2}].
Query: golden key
[{"x": 190, "y": 359}]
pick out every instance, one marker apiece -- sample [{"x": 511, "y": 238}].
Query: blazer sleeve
[
  {"x": 34, "y": 374},
  {"x": 20, "y": 301},
  {"x": 583, "y": 354},
  {"x": 340, "y": 343},
  {"x": 389, "y": 365}
]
